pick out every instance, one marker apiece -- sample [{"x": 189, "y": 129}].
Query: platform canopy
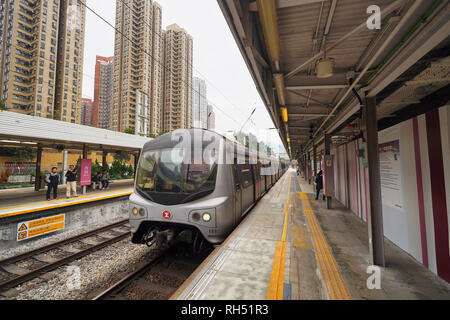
[
  {"x": 19, "y": 129},
  {"x": 311, "y": 59}
]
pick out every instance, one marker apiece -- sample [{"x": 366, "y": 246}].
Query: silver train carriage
[{"x": 197, "y": 181}]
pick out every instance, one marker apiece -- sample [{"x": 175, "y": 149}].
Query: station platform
[
  {"x": 16, "y": 202},
  {"x": 290, "y": 247}
]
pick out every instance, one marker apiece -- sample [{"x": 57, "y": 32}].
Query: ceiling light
[{"x": 324, "y": 67}]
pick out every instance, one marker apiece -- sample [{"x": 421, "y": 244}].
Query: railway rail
[
  {"x": 159, "y": 278},
  {"x": 13, "y": 275}
]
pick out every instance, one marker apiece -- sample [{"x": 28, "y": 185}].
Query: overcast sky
[{"x": 217, "y": 60}]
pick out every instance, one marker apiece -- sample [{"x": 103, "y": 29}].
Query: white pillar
[{"x": 65, "y": 152}]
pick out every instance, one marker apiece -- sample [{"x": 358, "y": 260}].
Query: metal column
[
  {"x": 136, "y": 160},
  {"x": 37, "y": 179},
  {"x": 104, "y": 164},
  {"x": 65, "y": 152},
  {"x": 314, "y": 160},
  {"x": 328, "y": 176},
  {"x": 308, "y": 163},
  {"x": 85, "y": 155},
  {"x": 375, "y": 213}
]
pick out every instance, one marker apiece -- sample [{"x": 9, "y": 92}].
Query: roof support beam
[
  {"x": 286, "y": 3},
  {"x": 357, "y": 29}
]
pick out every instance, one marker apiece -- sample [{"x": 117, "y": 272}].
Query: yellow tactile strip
[
  {"x": 331, "y": 275},
  {"x": 33, "y": 207},
  {"x": 275, "y": 290}
]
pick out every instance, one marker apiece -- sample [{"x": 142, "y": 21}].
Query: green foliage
[
  {"x": 129, "y": 130},
  {"x": 120, "y": 170},
  {"x": 96, "y": 168},
  {"x": 122, "y": 157},
  {"x": 2, "y": 105},
  {"x": 21, "y": 154},
  {"x": 151, "y": 135},
  {"x": 57, "y": 115}
]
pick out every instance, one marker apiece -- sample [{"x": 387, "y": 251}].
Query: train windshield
[{"x": 165, "y": 179}]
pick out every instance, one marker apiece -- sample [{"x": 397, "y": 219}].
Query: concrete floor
[
  {"x": 242, "y": 267},
  {"x": 402, "y": 278}
]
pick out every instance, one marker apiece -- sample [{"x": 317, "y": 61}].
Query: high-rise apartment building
[
  {"x": 200, "y": 104},
  {"x": 211, "y": 118},
  {"x": 178, "y": 79},
  {"x": 87, "y": 112},
  {"x": 157, "y": 93},
  {"x": 133, "y": 63},
  {"x": 41, "y": 57},
  {"x": 103, "y": 91}
]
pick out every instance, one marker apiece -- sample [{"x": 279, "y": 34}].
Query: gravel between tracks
[{"x": 97, "y": 270}]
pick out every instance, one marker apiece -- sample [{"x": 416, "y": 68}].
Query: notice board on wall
[{"x": 390, "y": 174}]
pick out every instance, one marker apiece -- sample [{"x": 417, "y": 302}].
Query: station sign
[{"x": 38, "y": 227}]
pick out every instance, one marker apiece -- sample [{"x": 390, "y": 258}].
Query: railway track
[
  {"x": 40, "y": 261},
  {"x": 157, "y": 279}
]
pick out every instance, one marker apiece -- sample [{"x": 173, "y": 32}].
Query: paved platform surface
[
  {"x": 291, "y": 247},
  {"x": 16, "y": 201}
]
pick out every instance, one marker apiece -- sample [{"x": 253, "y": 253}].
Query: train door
[
  {"x": 256, "y": 179},
  {"x": 237, "y": 195},
  {"x": 248, "y": 187}
]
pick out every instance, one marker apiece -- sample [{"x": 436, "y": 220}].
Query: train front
[{"x": 177, "y": 190}]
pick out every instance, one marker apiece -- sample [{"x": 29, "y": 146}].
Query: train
[{"x": 198, "y": 182}]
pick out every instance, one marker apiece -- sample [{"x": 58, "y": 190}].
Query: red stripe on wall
[
  {"x": 423, "y": 230},
  {"x": 438, "y": 194}
]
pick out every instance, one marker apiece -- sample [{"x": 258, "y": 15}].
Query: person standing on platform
[
  {"x": 319, "y": 184},
  {"x": 52, "y": 179},
  {"x": 71, "y": 186},
  {"x": 105, "y": 179}
]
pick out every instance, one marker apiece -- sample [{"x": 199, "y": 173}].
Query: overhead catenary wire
[{"x": 156, "y": 60}]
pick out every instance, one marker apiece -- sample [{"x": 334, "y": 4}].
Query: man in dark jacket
[
  {"x": 319, "y": 184},
  {"x": 52, "y": 180},
  {"x": 71, "y": 186}
]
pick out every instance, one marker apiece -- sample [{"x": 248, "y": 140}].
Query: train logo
[{"x": 167, "y": 215}]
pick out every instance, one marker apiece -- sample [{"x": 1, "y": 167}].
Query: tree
[
  {"x": 129, "y": 130},
  {"x": 122, "y": 157},
  {"x": 21, "y": 154},
  {"x": 2, "y": 105},
  {"x": 151, "y": 135}
]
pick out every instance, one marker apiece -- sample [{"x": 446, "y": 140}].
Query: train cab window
[
  {"x": 246, "y": 175},
  {"x": 163, "y": 179}
]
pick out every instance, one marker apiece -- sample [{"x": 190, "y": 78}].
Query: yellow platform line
[
  {"x": 275, "y": 290},
  {"x": 57, "y": 203},
  {"x": 331, "y": 275}
]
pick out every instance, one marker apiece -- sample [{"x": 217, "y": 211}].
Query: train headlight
[
  {"x": 142, "y": 212},
  {"x": 206, "y": 217},
  {"x": 135, "y": 211}
]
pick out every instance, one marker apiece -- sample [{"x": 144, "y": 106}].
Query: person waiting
[
  {"x": 105, "y": 179},
  {"x": 52, "y": 180},
  {"x": 97, "y": 181},
  {"x": 71, "y": 176}
]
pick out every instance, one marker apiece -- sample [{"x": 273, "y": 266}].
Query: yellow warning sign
[
  {"x": 34, "y": 228},
  {"x": 21, "y": 235}
]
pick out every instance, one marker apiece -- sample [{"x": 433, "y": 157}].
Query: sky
[{"x": 217, "y": 60}]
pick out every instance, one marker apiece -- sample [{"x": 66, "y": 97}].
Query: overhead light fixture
[
  {"x": 284, "y": 114},
  {"x": 324, "y": 67},
  {"x": 288, "y": 140},
  {"x": 278, "y": 78}
]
